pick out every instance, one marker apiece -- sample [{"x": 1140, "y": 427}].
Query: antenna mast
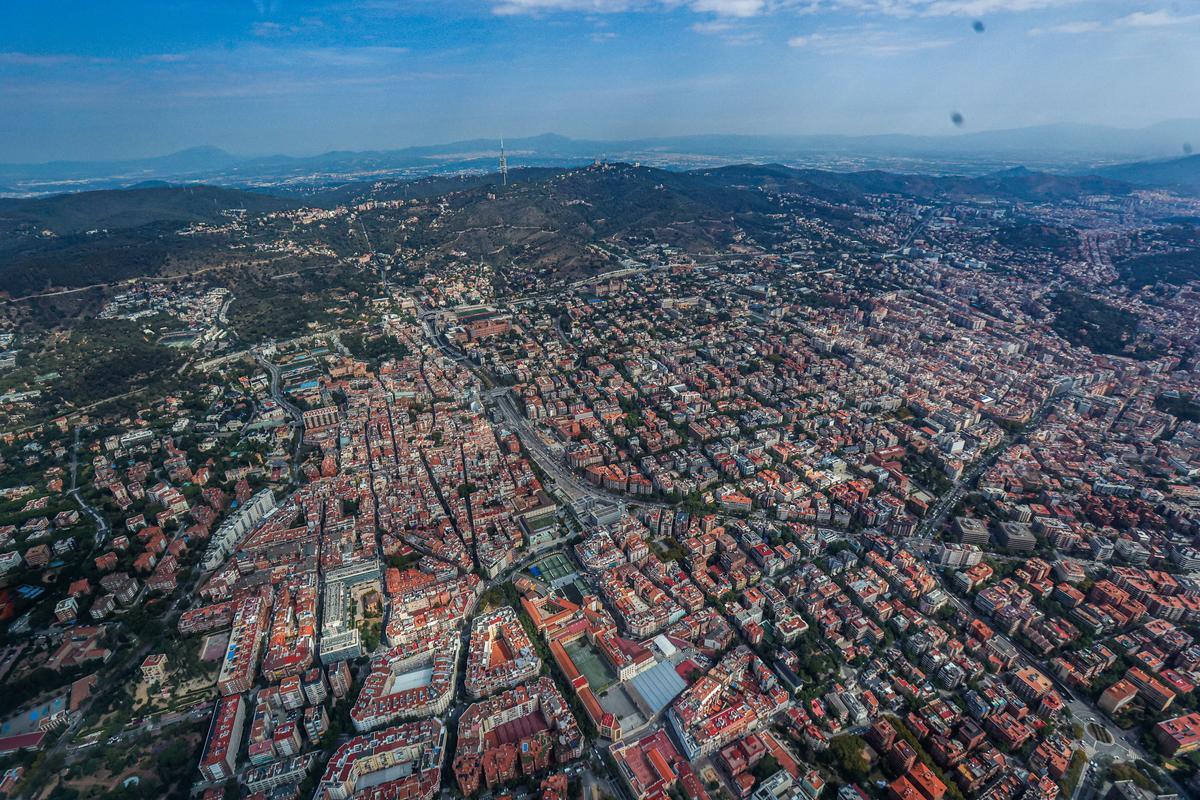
[{"x": 503, "y": 164}]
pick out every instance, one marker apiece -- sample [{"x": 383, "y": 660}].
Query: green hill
[
  {"x": 1014, "y": 184},
  {"x": 1180, "y": 174},
  {"x": 132, "y": 208},
  {"x": 87, "y": 238}
]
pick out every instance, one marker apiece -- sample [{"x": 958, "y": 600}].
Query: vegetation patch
[{"x": 1087, "y": 322}]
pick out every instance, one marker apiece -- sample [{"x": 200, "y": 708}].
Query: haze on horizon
[{"x": 134, "y": 78}]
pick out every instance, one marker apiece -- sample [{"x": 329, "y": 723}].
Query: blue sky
[{"x": 125, "y": 78}]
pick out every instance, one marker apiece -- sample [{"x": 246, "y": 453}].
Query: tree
[
  {"x": 849, "y": 751},
  {"x": 765, "y": 768},
  {"x": 63, "y": 792},
  {"x": 370, "y": 635}
]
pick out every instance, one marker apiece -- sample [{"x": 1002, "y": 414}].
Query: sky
[{"x": 89, "y": 80}]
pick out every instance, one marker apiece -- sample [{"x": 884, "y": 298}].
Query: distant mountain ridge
[
  {"x": 132, "y": 208},
  {"x": 1180, "y": 174},
  {"x": 546, "y": 219},
  {"x": 193, "y": 159},
  {"x": 159, "y": 202},
  {"x": 1063, "y": 148},
  {"x": 1012, "y": 184}
]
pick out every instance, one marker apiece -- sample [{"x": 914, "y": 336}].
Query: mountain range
[
  {"x": 160, "y": 202},
  {"x": 1064, "y": 148},
  {"x": 79, "y": 212},
  {"x": 544, "y": 219},
  {"x": 1180, "y": 174}
]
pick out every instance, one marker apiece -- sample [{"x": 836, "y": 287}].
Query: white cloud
[
  {"x": 1073, "y": 28},
  {"x": 541, "y": 6},
  {"x": 979, "y": 8},
  {"x": 721, "y": 11},
  {"x": 268, "y": 28},
  {"x": 945, "y": 8},
  {"x": 730, "y": 8},
  {"x": 871, "y": 42},
  {"x": 1161, "y": 18},
  {"x": 740, "y": 9},
  {"x": 164, "y": 58},
  {"x": 369, "y": 56},
  {"x": 746, "y": 9},
  {"x": 279, "y": 84},
  {"x": 729, "y": 31},
  {"x": 1137, "y": 20},
  {"x": 19, "y": 59},
  {"x": 713, "y": 26}
]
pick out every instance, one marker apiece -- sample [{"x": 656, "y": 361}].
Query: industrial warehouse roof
[{"x": 659, "y": 685}]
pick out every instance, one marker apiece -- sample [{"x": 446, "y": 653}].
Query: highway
[
  {"x": 564, "y": 478},
  {"x": 278, "y": 396},
  {"x": 569, "y": 486},
  {"x": 566, "y": 481},
  {"x": 917, "y": 228}
]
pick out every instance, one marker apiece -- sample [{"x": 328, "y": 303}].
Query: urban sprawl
[{"x": 837, "y": 515}]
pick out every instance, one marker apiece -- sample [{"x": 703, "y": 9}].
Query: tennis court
[{"x": 553, "y": 567}]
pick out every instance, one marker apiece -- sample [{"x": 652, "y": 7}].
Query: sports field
[
  {"x": 591, "y": 664},
  {"x": 552, "y": 567}
]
